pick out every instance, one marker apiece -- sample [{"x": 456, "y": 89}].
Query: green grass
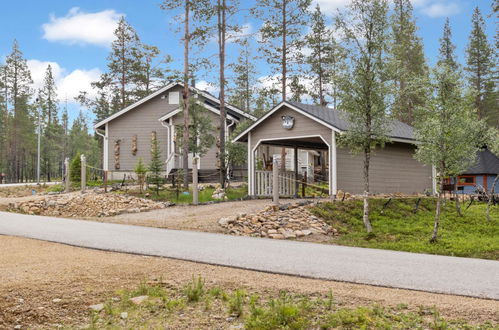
[
  {"x": 173, "y": 307},
  {"x": 169, "y": 194},
  {"x": 398, "y": 228}
]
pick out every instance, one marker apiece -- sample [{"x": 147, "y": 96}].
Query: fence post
[
  {"x": 105, "y": 182},
  {"x": 275, "y": 182},
  {"x": 195, "y": 194},
  {"x": 304, "y": 184},
  {"x": 67, "y": 170},
  {"x": 83, "y": 173}
]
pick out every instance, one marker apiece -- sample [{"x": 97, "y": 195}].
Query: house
[
  {"x": 127, "y": 134},
  {"x": 295, "y": 127},
  {"x": 480, "y": 176}
]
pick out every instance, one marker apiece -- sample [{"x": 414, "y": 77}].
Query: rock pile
[
  {"x": 279, "y": 222},
  {"x": 90, "y": 204}
]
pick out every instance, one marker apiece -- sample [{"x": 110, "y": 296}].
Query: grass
[
  {"x": 173, "y": 307},
  {"x": 398, "y": 228},
  {"x": 169, "y": 194}
]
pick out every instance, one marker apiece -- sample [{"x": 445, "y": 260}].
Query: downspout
[{"x": 104, "y": 148}]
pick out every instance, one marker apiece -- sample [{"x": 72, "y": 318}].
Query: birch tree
[
  {"x": 448, "y": 130},
  {"x": 365, "y": 27}
]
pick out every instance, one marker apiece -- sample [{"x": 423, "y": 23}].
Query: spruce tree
[
  {"x": 365, "y": 103},
  {"x": 18, "y": 89},
  {"x": 241, "y": 93},
  {"x": 407, "y": 65},
  {"x": 3, "y": 125},
  {"x": 480, "y": 66},
  {"x": 156, "y": 164},
  {"x": 447, "y": 48}
]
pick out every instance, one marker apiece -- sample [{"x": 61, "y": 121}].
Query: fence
[{"x": 263, "y": 183}]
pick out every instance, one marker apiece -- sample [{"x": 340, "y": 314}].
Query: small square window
[{"x": 174, "y": 98}]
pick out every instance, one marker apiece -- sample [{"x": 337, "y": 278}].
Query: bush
[
  {"x": 194, "y": 289},
  {"x": 75, "y": 168},
  {"x": 236, "y": 303}
]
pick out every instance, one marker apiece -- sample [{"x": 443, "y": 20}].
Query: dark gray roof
[
  {"x": 339, "y": 119},
  {"x": 486, "y": 163}
]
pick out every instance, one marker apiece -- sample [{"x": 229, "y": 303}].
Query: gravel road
[{"x": 441, "y": 274}]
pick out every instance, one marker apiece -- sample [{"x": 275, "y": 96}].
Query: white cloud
[
  {"x": 246, "y": 31},
  {"x": 69, "y": 84},
  {"x": 439, "y": 9},
  {"x": 78, "y": 27},
  {"x": 330, "y": 6},
  {"x": 206, "y": 86}
]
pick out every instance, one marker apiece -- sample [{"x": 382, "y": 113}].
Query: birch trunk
[
  {"x": 437, "y": 213},
  {"x": 458, "y": 206}
]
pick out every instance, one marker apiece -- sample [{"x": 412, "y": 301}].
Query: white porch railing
[{"x": 263, "y": 183}]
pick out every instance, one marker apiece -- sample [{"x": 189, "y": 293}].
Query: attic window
[{"x": 174, "y": 98}]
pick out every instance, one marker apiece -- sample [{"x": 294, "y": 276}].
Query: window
[
  {"x": 466, "y": 180},
  {"x": 174, "y": 98}
]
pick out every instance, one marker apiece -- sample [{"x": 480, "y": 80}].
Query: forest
[{"x": 371, "y": 44}]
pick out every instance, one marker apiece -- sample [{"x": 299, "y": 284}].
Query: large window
[{"x": 466, "y": 180}]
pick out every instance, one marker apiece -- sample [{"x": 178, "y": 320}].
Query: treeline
[{"x": 310, "y": 60}]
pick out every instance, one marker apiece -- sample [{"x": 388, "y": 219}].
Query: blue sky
[{"x": 74, "y": 36}]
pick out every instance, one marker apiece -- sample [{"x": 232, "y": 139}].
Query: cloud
[
  {"x": 329, "y": 6},
  {"x": 78, "y": 27},
  {"x": 69, "y": 84},
  {"x": 439, "y": 9},
  {"x": 206, "y": 86}
]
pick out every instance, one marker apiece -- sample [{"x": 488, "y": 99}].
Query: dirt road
[{"x": 34, "y": 273}]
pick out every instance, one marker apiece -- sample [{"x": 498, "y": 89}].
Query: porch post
[
  {"x": 250, "y": 167},
  {"x": 333, "y": 168},
  {"x": 296, "y": 171}
]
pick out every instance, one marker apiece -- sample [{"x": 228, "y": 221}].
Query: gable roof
[
  {"x": 487, "y": 163},
  {"x": 160, "y": 91},
  {"x": 335, "y": 119}
]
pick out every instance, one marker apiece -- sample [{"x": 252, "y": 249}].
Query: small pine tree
[
  {"x": 156, "y": 165},
  {"x": 75, "y": 168},
  {"x": 141, "y": 171}
]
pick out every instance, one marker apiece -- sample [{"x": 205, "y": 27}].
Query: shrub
[
  {"x": 194, "y": 289},
  {"x": 140, "y": 170},
  {"x": 236, "y": 302},
  {"x": 75, "y": 168}
]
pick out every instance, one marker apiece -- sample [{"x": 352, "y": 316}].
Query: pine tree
[
  {"x": 281, "y": 35},
  {"x": 241, "y": 93},
  {"x": 49, "y": 110},
  {"x": 365, "y": 103},
  {"x": 18, "y": 87},
  {"x": 480, "y": 60},
  {"x": 297, "y": 89},
  {"x": 152, "y": 72},
  {"x": 3, "y": 126},
  {"x": 326, "y": 62},
  {"x": 447, "y": 48},
  {"x": 407, "y": 63},
  {"x": 156, "y": 164}
]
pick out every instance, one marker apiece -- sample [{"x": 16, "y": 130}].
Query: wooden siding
[
  {"x": 140, "y": 121},
  {"x": 271, "y": 128},
  {"x": 393, "y": 169}
]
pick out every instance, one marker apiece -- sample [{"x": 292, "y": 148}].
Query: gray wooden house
[
  {"x": 127, "y": 134},
  {"x": 301, "y": 127}
]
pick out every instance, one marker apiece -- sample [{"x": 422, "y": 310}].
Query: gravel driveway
[{"x": 441, "y": 274}]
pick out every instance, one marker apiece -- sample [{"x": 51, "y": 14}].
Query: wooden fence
[{"x": 263, "y": 183}]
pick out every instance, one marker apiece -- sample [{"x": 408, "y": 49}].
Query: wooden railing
[{"x": 263, "y": 183}]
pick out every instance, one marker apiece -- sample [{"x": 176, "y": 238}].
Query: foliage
[
  {"x": 241, "y": 94},
  {"x": 480, "y": 67},
  {"x": 156, "y": 164},
  {"x": 399, "y": 228},
  {"x": 201, "y": 132},
  {"x": 366, "y": 30},
  {"x": 141, "y": 172},
  {"x": 236, "y": 302},
  {"x": 75, "y": 168},
  {"x": 406, "y": 63},
  {"x": 194, "y": 290}
]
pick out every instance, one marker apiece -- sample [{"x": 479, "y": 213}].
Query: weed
[
  {"x": 236, "y": 302},
  {"x": 194, "y": 289}
]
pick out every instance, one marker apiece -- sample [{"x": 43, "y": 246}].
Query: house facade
[
  {"x": 296, "y": 127},
  {"x": 128, "y": 133}
]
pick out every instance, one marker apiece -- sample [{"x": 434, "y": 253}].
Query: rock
[
  {"x": 124, "y": 315},
  {"x": 219, "y": 193},
  {"x": 224, "y": 222},
  {"x": 18, "y": 326},
  {"x": 97, "y": 307},
  {"x": 307, "y": 232},
  {"x": 56, "y": 300},
  {"x": 139, "y": 299}
]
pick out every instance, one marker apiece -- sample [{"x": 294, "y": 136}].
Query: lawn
[
  {"x": 399, "y": 228},
  {"x": 195, "y": 305},
  {"x": 170, "y": 194}
]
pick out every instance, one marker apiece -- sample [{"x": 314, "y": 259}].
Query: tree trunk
[
  {"x": 284, "y": 72},
  {"x": 434, "y": 236},
  {"x": 223, "y": 116},
  {"x": 367, "y": 159},
  {"x": 458, "y": 206},
  {"x": 185, "y": 147},
  {"x": 491, "y": 196}
]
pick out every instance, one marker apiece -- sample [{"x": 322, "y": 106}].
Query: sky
[{"x": 74, "y": 36}]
